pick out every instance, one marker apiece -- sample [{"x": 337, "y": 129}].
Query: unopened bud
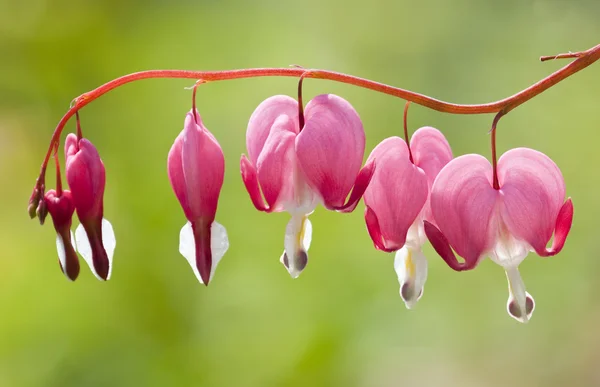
[
  {"x": 31, "y": 208},
  {"x": 34, "y": 199},
  {"x": 42, "y": 211}
]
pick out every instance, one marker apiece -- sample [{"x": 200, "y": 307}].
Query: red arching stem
[
  {"x": 584, "y": 59},
  {"x": 405, "y": 119},
  {"x": 494, "y": 157}
]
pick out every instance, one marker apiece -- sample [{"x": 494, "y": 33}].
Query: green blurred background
[{"x": 342, "y": 323}]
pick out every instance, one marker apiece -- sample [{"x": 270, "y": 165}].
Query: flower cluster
[
  {"x": 94, "y": 238},
  {"x": 298, "y": 158}
]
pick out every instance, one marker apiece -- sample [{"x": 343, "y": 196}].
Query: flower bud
[
  {"x": 85, "y": 174},
  {"x": 61, "y": 209},
  {"x": 196, "y": 167}
]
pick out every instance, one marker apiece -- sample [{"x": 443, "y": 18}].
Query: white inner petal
[
  {"x": 62, "y": 255},
  {"x": 219, "y": 243},
  {"x": 307, "y": 234},
  {"x": 298, "y": 235},
  {"x": 508, "y": 251},
  {"x": 411, "y": 268},
  {"x": 110, "y": 242},
  {"x": 84, "y": 248},
  {"x": 415, "y": 237},
  {"x": 304, "y": 199}
]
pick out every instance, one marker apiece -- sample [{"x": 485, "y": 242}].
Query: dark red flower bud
[{"x": 61, "y": 210}]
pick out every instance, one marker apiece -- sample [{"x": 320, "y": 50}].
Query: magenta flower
[
  {"x": 94, "y": 237},
  {"x": 505, "y": 224},
  {"x": 61, "y": 209},
  {"x": 397, "y": 202},
  {"x": 196, "y": 167},
  {"x": 298, "y": 168}
]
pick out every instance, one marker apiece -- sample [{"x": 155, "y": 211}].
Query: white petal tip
[
  {"x": 84, "y": 248},
  {"x": 411, "y": 268},
  {"x": 298, "y": 235},
  {"x": 520, "y": 304},
  {"x": 110, "y": 243},
  {"x": 62, "y": 255},
  {"x": 296, "y": 266},
  {"x": 219, "y": 244},
  {"x": 409, "y": 295},
  {"x": 521, "y": 313}
]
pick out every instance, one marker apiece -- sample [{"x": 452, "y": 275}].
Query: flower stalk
[{"x": 583, "y": 60}]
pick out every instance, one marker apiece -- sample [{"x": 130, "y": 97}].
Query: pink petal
[
  {"x": 375, "y": 231},
  {"x": 330, "y": 147},
  {"x": 71, "y": 145},
  {"x": 463, "y": 204},
  {"x": 262, "y": 120},
  {"x": 561, "y": 230},
  {"x": 86, "y": 176},
  {"x": 533, "y": 193},
  {"x": 431, "y": 152},
  {"x": 441, "y": 246},
  {"x": 250, "y": 178},
  {"x": 360, "y": 186},
  {"x": 203, "y": 167},
  {"x": 397, "y": 192},
  {"x": 276, "y": 163},
  {"x": 176, "y": 177}
]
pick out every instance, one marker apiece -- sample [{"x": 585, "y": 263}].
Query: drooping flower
[
  {"x": 397, "y": 202},
  {"x": 94, "y": 237},
  {"x": 298, "y": 168},
  {"x": 505, "y": 224},
  {"x": 196, "y": 168},
  {"x": 61, "y": 208}
]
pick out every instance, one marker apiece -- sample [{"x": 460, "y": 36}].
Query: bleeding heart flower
[
  {"x": 477, "y": 220},
  {"x": 196, "y": 168},
  {"x": 397, "y": 202},
  {"x": 94, "y": 237},
  {"x": 298, "y": 168}
]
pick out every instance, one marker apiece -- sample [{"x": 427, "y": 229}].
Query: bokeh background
[{"x": 342, "y": 323}]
